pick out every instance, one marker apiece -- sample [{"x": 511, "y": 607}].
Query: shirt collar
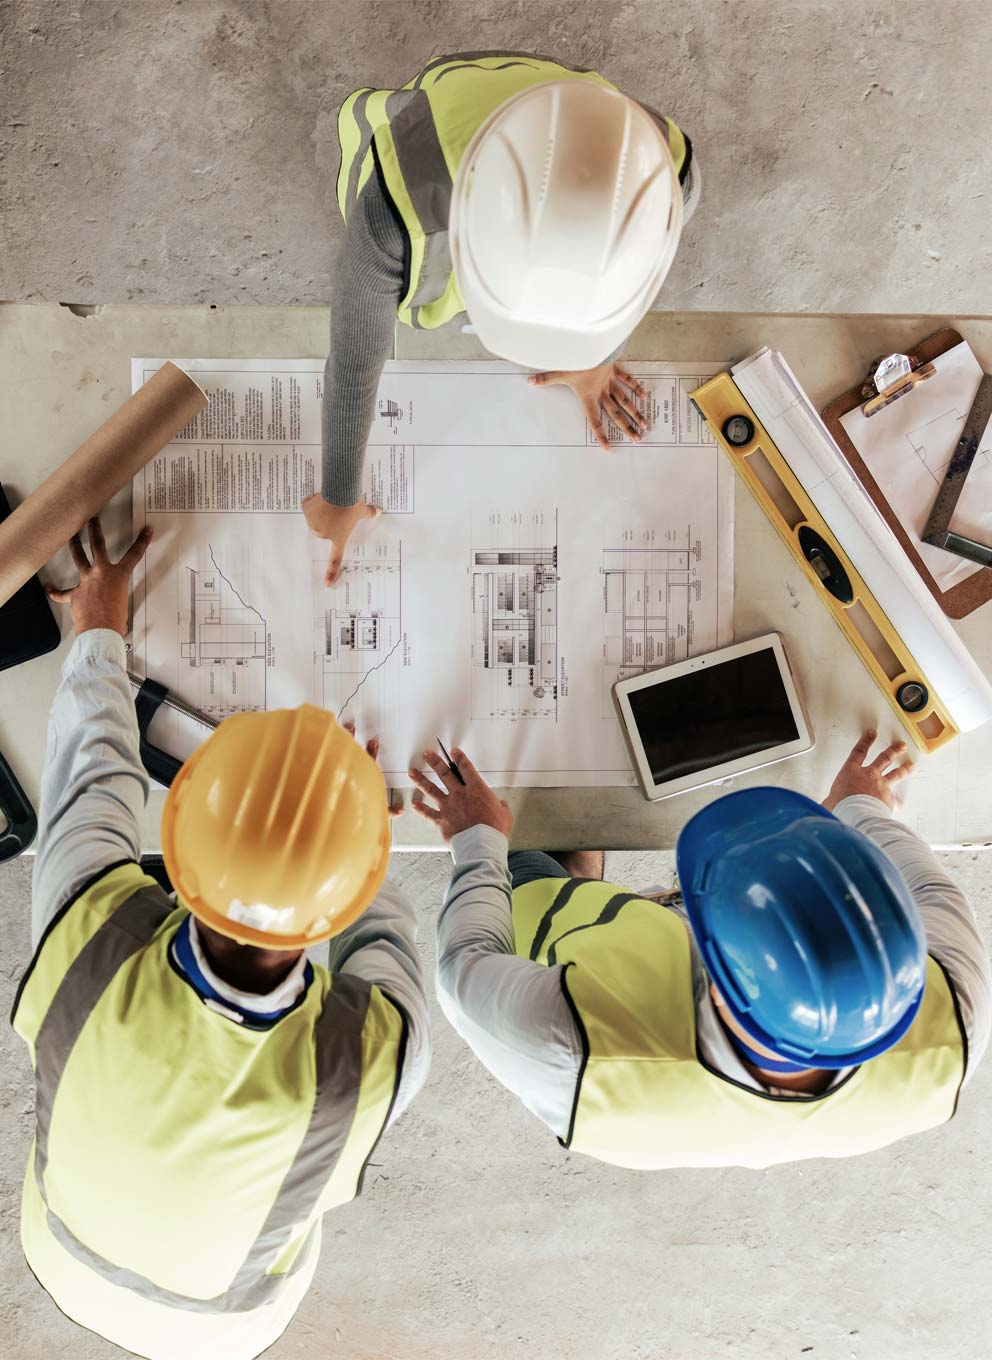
[{"x": 247, "y": 1008}]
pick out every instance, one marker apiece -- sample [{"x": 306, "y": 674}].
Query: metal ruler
[{"x": 938, "y": 532}]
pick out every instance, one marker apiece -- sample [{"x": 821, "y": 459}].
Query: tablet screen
[{"x": 713, "y": 715}]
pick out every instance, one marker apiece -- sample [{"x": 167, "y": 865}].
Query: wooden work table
[{"x": 64, "y": 373}]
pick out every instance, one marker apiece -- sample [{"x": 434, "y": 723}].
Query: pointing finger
[
  {"x": 545, "y": 379},
  {"x": 333, "y": 566}
]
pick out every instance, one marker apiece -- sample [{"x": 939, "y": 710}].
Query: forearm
[
  {"x": 953, "y": 935},
  {"x": 381, "y": 947},
  {"x": 477, "y": 916},
  {"x": 511, "y": 1011},
  {"x": 94, "y": 786},
  {"x": 368, "y": 288}
]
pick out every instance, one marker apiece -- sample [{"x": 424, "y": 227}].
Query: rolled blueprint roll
[{"x": 96, "y": 471}]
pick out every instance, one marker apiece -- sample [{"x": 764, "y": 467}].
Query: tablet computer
[{"x": 712, "y": 716}]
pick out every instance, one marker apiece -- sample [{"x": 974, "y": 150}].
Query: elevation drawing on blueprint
[{"x": 516, "y": 573}]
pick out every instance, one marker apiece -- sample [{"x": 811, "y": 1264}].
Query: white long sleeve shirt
[
  {"x": 512, "y": 1011},
  {"x": 93, "y": 790}
]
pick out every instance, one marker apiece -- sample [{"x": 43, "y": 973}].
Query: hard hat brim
[{"x": 545, "y": 348}]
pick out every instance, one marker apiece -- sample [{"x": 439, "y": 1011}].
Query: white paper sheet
[
  {"x": 907, "y": 447},
  {"x": 517, "y": 573}
]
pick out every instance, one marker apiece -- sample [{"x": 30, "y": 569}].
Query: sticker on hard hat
[{"x": 257, "y": 916}]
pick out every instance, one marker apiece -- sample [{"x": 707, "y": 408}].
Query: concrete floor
[
  {"x": 185, "y": 150},
  {"x": 478, "y": 1238},
  {"x": 181, "y": 151}
]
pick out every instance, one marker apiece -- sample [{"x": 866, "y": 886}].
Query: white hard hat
[{"x": 565, "y": 217}]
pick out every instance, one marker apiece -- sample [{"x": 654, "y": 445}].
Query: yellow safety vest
[
  {"x": 645, "y": 1099},
  {"x": 417, "y": 136},
  {"x": 181, "y": 1161}
]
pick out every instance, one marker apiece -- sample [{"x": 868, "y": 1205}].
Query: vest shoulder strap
[{"x": 74, "y": 931}]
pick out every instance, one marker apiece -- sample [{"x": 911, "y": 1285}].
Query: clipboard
[{"x": 967, "y": 596}]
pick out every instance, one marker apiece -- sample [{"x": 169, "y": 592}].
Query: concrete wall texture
[{"x": 185, "y": 150}]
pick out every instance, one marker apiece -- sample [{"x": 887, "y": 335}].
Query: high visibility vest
[
  {"x": 418, "y": 135},
  {"x": 181, "y": 1161},
  {"x": 645, "y": 1098}
]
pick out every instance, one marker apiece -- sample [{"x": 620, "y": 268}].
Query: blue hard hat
[{"x": 804, "y": 925}]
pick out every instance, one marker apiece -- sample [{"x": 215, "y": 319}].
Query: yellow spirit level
[{"x": 910, "y": 691}]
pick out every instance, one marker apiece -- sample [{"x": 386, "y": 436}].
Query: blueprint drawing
[{"x": 517, "y": 571}]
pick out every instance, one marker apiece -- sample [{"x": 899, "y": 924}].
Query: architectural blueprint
[
  {"x": 516, "y": 573},
  {"x": 225, "y": 642}
]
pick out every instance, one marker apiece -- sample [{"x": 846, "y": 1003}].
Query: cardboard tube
[{"x": 98, "y": 469}]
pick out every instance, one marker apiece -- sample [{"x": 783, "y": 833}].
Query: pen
[{"x": 451, "y": 764}]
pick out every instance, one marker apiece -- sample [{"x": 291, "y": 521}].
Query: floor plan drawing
[
  {"x": 515, "y": 570},
  {"x": 358, "y": 624},
  {"x": 515, "y": 632},
  {"x": 225, "y": 641},
  {"x": 647, "y": 606}
]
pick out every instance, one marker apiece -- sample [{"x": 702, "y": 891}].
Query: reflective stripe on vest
[
  {"x": 139, "y": 916},
  {"x": 645, "y": 1099},
  {"x": 418, "y": 135}
]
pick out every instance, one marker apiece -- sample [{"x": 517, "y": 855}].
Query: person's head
[
  {"x": 275, "y": 834},
  {"x": 808, "y": 933},
  {"x": 565, "y": 218}
]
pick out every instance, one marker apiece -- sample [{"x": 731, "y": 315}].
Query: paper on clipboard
[{"x": 906, "y": 447}]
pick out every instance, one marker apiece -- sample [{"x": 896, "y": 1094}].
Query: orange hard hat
[{"x": 276, "y": 830}]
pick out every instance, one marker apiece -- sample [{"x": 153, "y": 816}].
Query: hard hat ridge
[
  {"x": 805, "y": 926},
  {"x": 276, "y": 830}
]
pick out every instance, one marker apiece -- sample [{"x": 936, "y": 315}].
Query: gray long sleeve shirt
[
  {"x": 370, "y": 281},
  {"x": 512, "y": 1011},
  {"x": 92, "y": 795}
]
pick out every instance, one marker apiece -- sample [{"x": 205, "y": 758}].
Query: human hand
[
  {"x": 337, "y": 523},
  {"x": 598, "y": 390},
  {"x": 459, "y": 806},
  {"x": 372, "y": 748},
  {"x": 876, "y": 780},
  {"x": 100, "y": 599}
]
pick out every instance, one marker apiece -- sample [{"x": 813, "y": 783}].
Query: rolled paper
[{"x": 86, "y": 481}]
